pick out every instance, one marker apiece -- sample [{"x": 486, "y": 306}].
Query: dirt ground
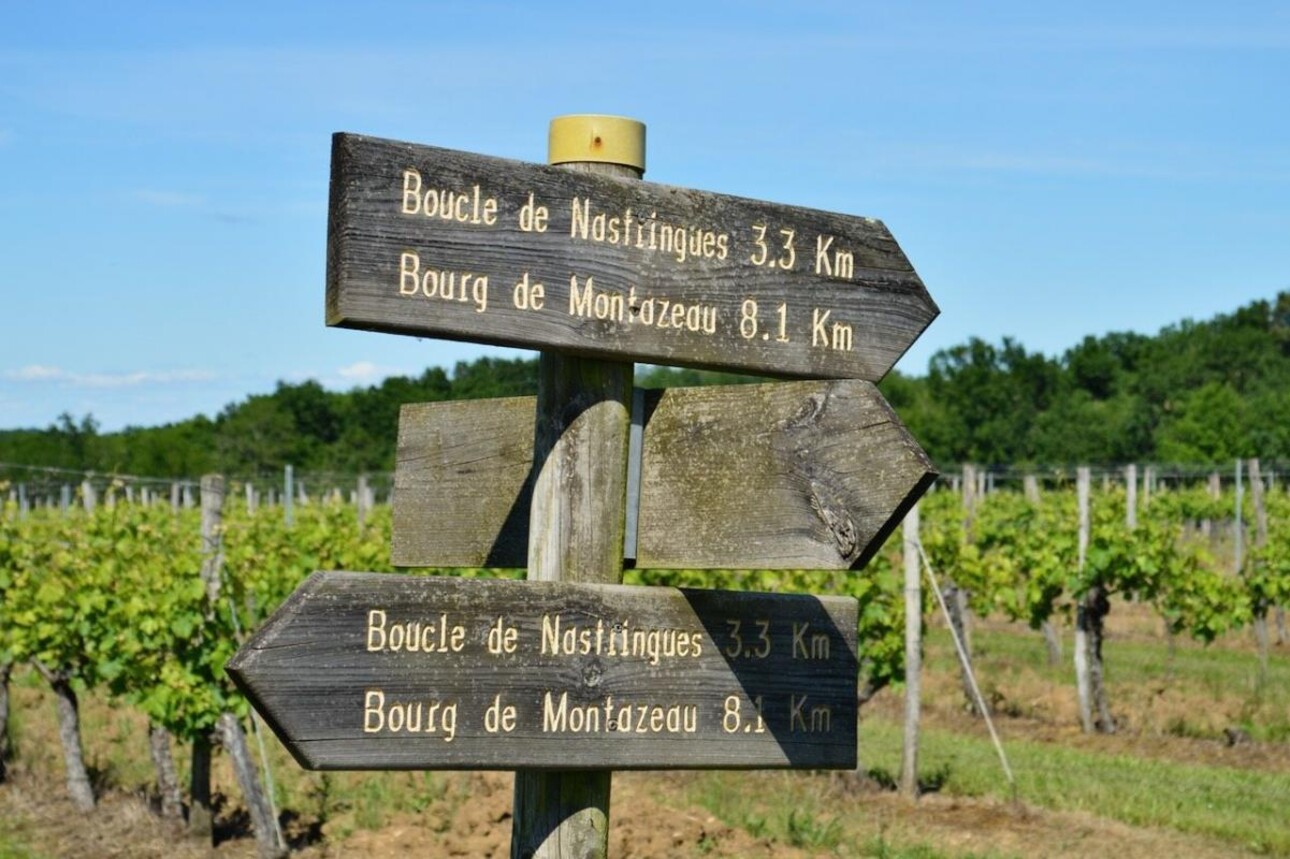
[
  {"x": 124, "y": 825},
  {"x": 642, "y": 826}
]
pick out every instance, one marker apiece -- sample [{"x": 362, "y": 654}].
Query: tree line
[{"x": 1195, "y": 393}]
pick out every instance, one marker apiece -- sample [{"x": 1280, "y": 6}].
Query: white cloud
[
  {"x": 34, "y": 373},
  {"x": 366, "y": 373},
  {"x": 42, "y": 373}
]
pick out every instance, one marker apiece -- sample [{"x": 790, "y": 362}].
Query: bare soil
[{"x": 124, "y": 825}]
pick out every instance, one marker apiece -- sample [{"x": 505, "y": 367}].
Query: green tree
[{"x": 1208, "y": 425}]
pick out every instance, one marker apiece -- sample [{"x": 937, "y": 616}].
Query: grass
[
  {"x": 878, "y": 847},
  {"x": 13, "y": 847},
  {"x": 1221, "y": 670},
  {"x": 1226, "y": 680},
  {"x": 1242, "y": 807},
  {"x": 801, "y": 821},
  {"x": 798, "y": 810}
]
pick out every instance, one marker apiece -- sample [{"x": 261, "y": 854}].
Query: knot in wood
[
  {"x": 592, "y": 673},
  {"x": 808, "y": 413},
  {"x": 846, "y": 536}
]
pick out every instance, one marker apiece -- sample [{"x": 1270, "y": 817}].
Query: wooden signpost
[
  {"x": 438, "y": 243},
  {"x": 370, "y": 671},
  {"x": 795, "y": 475},
  {"x": 570, "y": 675}
]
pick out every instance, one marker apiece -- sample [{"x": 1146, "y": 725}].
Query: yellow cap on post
[{"x": 593, "y": 137}]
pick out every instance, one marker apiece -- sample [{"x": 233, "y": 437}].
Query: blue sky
[{"x": 1052, "y": 170}]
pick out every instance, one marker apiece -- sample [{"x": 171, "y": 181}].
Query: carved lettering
[
  {"x": 447, "y": 204},
  {"x": 499, "y": 718},
  {"x": 528, "y": 296},
  {"x": 444, "y": 284},
  {"x": 533, "y": 217},
  {"x": 559, "y": 716},
  {"x": 840, "y": 265},
  {"x": 413, "y": 636},
  {"x": 627, "y": 229},
  {"x": 559, "y": 638},
  {"x": 425, "y": 716}
]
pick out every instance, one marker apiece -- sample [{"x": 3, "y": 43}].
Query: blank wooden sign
[
  {"x": 433, "y": 242},
  {"x": 368, "y": 671},
  {"x": 800, "y": 475}
]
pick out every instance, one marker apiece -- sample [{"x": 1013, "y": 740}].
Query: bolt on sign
[{"x": 432, "y": 242}]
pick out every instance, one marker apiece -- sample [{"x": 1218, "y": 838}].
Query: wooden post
[
  {"x": 6, "y": 669},
  {"x": 973, "y": 489},
  {"x": 361, "y": 501},
  {"x": 88, "y": 496},
  {"x": 1131, "y": 496},
  {"x": 1052, "y": 640},
  {"x": 1261, "y": 607},
  {"x": 1238, "y": 526},
  {"x": 229, "y": 730},
  {"x": 578, "y": 514},
  {"x": 1282, "y": 635},
  {"x": 212, "y": 491},
  {"x": 913, "y": 654},
  {"x": 288, "y": 495},
  {"x": 200, "y": 812},
  {"x": 1215, "y": 486},
  {"x": 1081, "y": 634},
  {"x": 1030, "y": 487},
  {"x": 233, "y": 739},
  {"x": 163, "y": 762}
]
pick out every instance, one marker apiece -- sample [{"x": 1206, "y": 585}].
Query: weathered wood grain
[
  {"x": 703, "y": 658},
  {"x": 800, "y": 475},
  {"x": 462, "y": 488},
  {"x": 834, "y": 295},
  {"x": 576, "y": 526},
  {"x": 578, "y": 509}
]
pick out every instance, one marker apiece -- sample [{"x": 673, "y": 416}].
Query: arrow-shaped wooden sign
[
  {"x": 799, "y": 475},
  {"x": 433, "y": 242},
  {"x": 368, "y": 671}
]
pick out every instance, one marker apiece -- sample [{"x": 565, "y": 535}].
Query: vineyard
[{"x": 140, "y": 605}]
